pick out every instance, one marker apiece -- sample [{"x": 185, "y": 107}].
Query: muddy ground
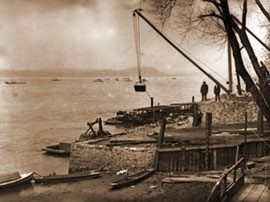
[{"x": 151, "y": 189}]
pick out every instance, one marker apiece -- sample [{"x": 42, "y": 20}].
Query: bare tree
[{"x": 216, "y": 16}]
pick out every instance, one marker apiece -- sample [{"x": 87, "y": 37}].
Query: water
[{"x": 42, "y": 112}]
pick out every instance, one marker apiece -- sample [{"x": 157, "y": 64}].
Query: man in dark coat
[
  {"x": 217, "y": 92},
  {"x": 204, "y": 91}
]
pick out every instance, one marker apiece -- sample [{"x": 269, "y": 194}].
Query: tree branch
[
  {"x": 216, "y": 4},
  {"x": 266, "y": 14},
  {"x": 212, "y": 14},
  {"x": 244, "y": 15}
]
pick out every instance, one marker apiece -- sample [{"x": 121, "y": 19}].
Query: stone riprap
[
  {"x": 90, "y": 157},
  {"x": 229, "y": 111}
]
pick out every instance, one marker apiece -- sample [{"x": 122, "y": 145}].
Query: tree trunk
[{"x": 240, "y": 67}]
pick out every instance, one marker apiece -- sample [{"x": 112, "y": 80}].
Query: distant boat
[
  {"x": 98, "y": 80},
  {"x": 15, "y": 82},
  {"x": 62, "y": 149},
  {"x": 127, "y": 79},
  {"x": 66, "y": 177},
  {"x": 132, "y": 179},
  {"x": 56, "y": 79},
  {"x": 14, "y": 179},
  {"x": 116, "y": 79}
]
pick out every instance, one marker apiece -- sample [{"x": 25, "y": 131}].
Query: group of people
[{"x": 204, "y": 91}]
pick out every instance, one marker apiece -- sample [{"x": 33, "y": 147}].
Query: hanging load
[{"x": 140, "y": 86}]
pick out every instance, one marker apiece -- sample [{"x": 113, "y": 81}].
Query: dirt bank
[{"x": 152, "y": 189}]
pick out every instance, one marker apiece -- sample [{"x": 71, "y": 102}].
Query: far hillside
[{"x": 130, "y": 72}]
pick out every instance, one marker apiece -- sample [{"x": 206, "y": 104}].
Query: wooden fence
[
  {"x": 193, "y": 158},
  {"x": 229, "y": 183}
]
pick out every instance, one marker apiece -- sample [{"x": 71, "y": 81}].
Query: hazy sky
[{"x": 48, "y": 34}]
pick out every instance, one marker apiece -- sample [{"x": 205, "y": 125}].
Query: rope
[
  {"x": 136, "y": 26},
  {"x": 266, "y": 144},
  {"x": 194, "y": 57}
]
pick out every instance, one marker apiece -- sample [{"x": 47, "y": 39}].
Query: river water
[{"x": 44, "y": 112}]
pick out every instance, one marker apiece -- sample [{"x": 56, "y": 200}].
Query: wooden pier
[{"x": 251, "y": 193}]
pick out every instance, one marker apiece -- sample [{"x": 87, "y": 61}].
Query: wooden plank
[
  {"x": 9, "y": 176},
  {"x": 243, "y": 192},
  {"x": 188, "y": 179},
  {"x": 255, "y": 193},
  {"x": 265, "y": 196}
]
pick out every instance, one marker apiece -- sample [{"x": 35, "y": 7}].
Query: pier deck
[{"x": 252, "y": 192}]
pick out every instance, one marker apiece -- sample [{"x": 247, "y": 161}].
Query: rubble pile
[{"x": 229, "y": 111}]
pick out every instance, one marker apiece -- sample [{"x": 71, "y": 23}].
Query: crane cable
[{"x": 136, "y": 26}]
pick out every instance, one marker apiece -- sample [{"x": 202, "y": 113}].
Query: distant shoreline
[{"x": 130, "y": 72}]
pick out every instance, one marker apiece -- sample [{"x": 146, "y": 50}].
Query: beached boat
[
  {"x": 113, "y": 121},
  {"x": 14, "y": 179},
  {"x": 15, "y": 82},
  {"x": 66, "y": 177},
  {"x": 62, "y": 148},
  {"x": 132, "y": 179}
]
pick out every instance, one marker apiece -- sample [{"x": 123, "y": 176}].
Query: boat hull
[
  {"x": 132, "y": 179},
  {"x": 61, "y": 149},
  {"x": 66, "y": 178},
  {"x": 23, "y": 179}
]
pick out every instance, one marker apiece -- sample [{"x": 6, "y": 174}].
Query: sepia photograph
[{"x": 135, "y": 100}]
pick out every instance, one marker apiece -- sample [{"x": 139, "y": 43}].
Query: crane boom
[{"x": 138, "y": 12}]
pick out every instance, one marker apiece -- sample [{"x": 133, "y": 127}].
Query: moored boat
[
  {"x": 113, "y": 121},
  {"x": 15, "y": 82},
  {"x": 62, "y": 148},
  {"x": 132, "y": 179},
  {"x": 14, "y": 179},
  {"x": 66, "y": 177}
]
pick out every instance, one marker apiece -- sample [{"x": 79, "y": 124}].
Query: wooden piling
[
  {"x": 260, "y": 124},
  {"x": 245, "y": 139},
  {"x": 160, "y": 141},
  {"x": 195, "y": 115},
  {"x": 208, "y": 124}
]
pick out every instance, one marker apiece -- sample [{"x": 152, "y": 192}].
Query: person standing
[
  {"x": 204, "y": 91},
  {"x": 217, "y": 92}
]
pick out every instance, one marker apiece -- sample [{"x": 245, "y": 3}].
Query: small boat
[
  {"x": 66, "y": 177},
  {"x": 14, "y": 179},
  {"x": 98, "y": 80},
  {"x": 56, "y": 79},
  {"x": 15, "y": 82},
  {"x": 127, "y": 79},
  {"x": 63, "y": 148},
  {"x": 113, "y": 121},
  {"x": 132, "y": 179}
]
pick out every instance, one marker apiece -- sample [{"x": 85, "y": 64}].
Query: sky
[{"x": 89, "y": 34}]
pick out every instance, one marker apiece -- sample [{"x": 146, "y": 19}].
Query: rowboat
[
  {"x": 15, "y": 82},
  {"x": 54, "y": 178},
  {"x": 132, "y": 179},
  {"x": 62, "y": 148},
  {"x": 14, "y": 179}
]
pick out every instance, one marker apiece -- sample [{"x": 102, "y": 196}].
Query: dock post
[
  {"x": 160, "y": 141},
  {"x": 162, "y": 132},
  {"x": 100, "y": 127},
  {"x": 260, "y": 125},
  {"x": 208, "y": 124},
  {"x": 152, "y": 101},
  {"x": 245, "y": 140},
  {"x": 195, "y": 115}
]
